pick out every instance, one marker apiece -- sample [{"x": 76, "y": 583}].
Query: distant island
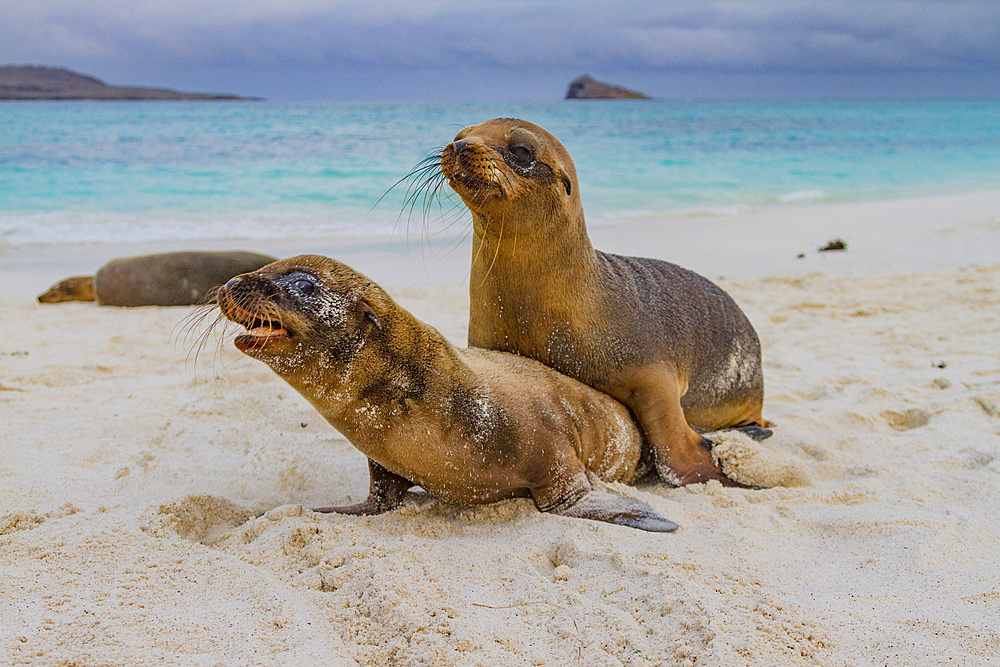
[
  {"x": 34, "y": 82},
  {"x": 586, "y": 88}
]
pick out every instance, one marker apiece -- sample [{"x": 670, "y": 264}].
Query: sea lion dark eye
[
  {"x": 304, "y": 286},
  {"x": 521, "y": 154}
]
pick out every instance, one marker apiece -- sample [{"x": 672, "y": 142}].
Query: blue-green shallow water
[{"x": 149, "y": 171}]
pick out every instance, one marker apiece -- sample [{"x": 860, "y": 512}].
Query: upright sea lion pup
[
  {"x": 163, "y": 279},
  {"x": 665, "y": 341},
  {"x": 469, "y": 426}
]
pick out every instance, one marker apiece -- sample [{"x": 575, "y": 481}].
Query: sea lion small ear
[
  {"x": 567, "y": 184},
  {"x": 369, "y": 312}
]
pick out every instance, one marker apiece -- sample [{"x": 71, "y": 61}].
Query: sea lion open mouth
[
  {"x": 259, "y": 334},
  {"x": 259, "y": 328}
]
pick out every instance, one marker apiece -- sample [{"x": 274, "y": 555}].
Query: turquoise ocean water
[{"x": 155, "y": 171}]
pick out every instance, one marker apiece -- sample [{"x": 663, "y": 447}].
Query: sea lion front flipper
[
  {"x": 385, "y": 492},
  {"x": 602, "y": 504},
  {"x": 680, "y": 456},
  {"x": 606, "y": 505}
]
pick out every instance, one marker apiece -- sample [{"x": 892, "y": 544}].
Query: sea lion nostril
[
  {"x": 459, "y": 145},
  {"x": 232, "y": 282}
]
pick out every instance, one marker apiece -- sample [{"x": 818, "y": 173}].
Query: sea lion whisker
[
  {"x": 220, "y": 340},
  {"x": 199, "y": 344},
  {"x": 432, "y": 194},
  {"x": 456, "y": 215},
  {"x": 496, "y": 252},
  {"x": 423, "y": 168},
  {"x": 211, "y": 296},
  {"x": 458, "y": 242},
  {"x": 416, "y": 189},
  {"x": 196, "y": 320},
  {"x": 431, "y": 161},
  {"x": 477, "y": 254},
  {"x": 423, "y": 191},
  {"x": 509, "y": 180},
  {"x": 425, "y": 174},
  {"x": 188, "y": 324}
]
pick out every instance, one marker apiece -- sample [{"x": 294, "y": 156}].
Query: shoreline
[
  {"x": 883, "y": 237},
  {"x": 154, "y": 495}
]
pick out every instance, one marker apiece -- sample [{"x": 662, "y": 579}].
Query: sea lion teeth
[
  {"x": 268, "y": 330},
  {"x": 665, "y": 341},
  {"x": 468, "y": 425}
]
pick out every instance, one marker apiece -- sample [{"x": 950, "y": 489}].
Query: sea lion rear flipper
[
  {"x": 725, "y": 480},
  {"x": 385, "y": 492},
  {"x": 601, "y": 504}
]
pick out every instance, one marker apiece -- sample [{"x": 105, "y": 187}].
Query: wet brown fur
[
  {"x": 665, "y": 341},
  {"x": 468, "y": 425}
]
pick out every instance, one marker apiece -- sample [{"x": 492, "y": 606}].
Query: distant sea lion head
[
  {"x": 507, "y": 163},
  {"x": 303, "y": 312},
  {"x": 78, "y": 288}
]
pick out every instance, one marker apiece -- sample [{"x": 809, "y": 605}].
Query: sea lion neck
[
  {"x": 551, "y": 245},
  {"x": 386, "y": 374}
]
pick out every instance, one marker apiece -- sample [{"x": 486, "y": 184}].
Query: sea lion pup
[
  {"x": 163, "y": 279},
  {"x": 469, "y": 426},
  {"x": 668, "y": 343}
]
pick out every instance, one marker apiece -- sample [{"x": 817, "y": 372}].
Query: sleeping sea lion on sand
[{"x": 164, "y": 279}]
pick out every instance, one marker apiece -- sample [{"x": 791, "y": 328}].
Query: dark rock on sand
[{"x": 836, "y": 244}]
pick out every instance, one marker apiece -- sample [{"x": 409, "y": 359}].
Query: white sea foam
[
  {"x": 71, "y": 227},
  {"x": 802, "y": 196}
]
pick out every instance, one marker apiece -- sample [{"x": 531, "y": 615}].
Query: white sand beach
[{"x": 153, "y": 499}]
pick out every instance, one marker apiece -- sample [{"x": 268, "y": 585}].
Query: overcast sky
[{"x": 520, "y": 49}]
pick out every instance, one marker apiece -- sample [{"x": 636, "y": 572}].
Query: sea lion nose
[
  {"x": 233, "y": 282},
  {"x": 457, "y": 146}
]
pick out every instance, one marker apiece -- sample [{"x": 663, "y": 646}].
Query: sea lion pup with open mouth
[
  {"x": 668, "y": 343},
  {"x": 467, "y": 425}
]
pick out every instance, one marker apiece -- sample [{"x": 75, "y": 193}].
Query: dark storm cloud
[{"x": 583, "y": 35}]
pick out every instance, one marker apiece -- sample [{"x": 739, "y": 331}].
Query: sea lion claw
[
  {"x": 386, "y": 490},
  {"x": 755, "y": 432}
]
